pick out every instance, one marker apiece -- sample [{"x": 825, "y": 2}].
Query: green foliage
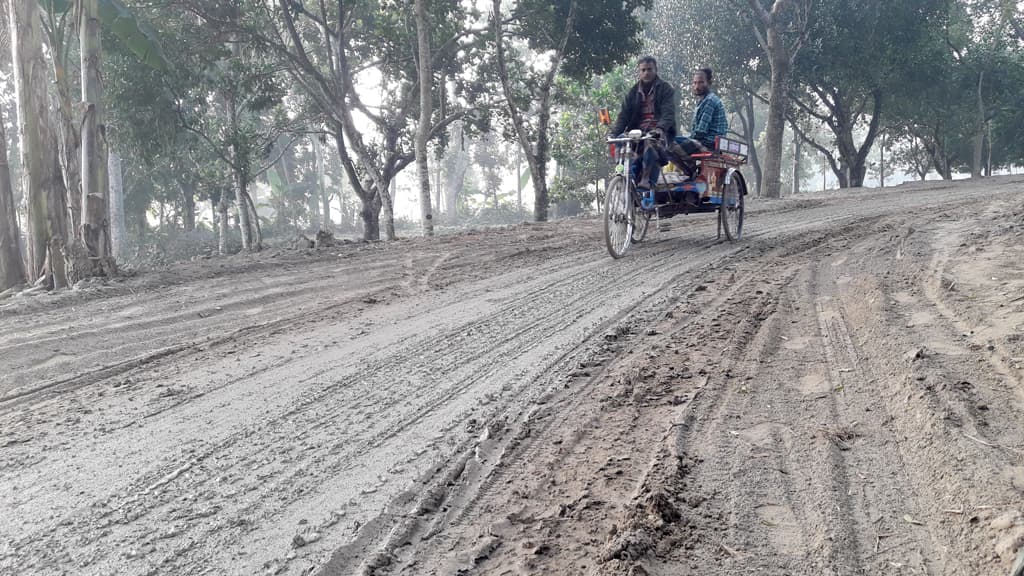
[
  {"x": 578, "y": 143},
  {"x": 935, "y": 109},
  {"x": 605, "y": 34},
  {"x": 685, "y": 35},
  {"x": 126, "y": 26}
]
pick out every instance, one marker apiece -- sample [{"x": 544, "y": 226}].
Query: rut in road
[
  {"x": 267, "y": 455},
  {"x": 780, "y": 431},
  {"x": 544, "y": 406}
]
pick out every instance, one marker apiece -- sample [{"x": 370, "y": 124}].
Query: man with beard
[
  {"x": 709, "y": 122},
  {"x": 649, "y": 106}
]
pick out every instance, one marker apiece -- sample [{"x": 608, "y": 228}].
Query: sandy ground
[{"x": 839, "y": 393}]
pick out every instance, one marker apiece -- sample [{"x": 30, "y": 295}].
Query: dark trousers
[
  {"x": 651, "y": 156},
  {"x": 680, "y": 153}
]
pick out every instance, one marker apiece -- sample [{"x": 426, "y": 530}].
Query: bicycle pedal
[{"x": 664, "y": 226}]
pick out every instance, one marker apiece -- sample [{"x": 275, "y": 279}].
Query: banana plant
[{"x": 136, "y": 35}]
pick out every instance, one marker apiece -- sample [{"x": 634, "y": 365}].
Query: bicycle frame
[{"x": 624, "y": 150}]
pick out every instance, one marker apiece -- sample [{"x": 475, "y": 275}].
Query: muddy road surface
[{"x": 842, "y": 392}]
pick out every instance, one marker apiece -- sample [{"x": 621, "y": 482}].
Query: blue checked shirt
[{"x": 709, "y": 120}]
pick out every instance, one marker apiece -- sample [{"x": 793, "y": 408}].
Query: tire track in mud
[
  {"x": 525, "y": 449},
  {"x": 749, "y": 460},
  {"x": 521, "y": 439},
  {"x": 401, "y": 396},
  {"x": 891, "y": 493},
  {"x": 174, "y": 325},
  {"x": 952, "y": 410},
  {"x": 910, "y": 505},
  {"x": 26, "y": 345},
  {"x": 555, "y": 293},
  {"x": 277, "y": 297},
  {"x": 496, "y": 351},
  {"x": 844, "y": 548}
]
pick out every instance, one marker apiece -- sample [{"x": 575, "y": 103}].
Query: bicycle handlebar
[{"x": 628, "y": 139}]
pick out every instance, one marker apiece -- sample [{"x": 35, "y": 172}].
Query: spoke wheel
[
  {"x": 619, "y": 217},
  {"x": 731, "y": 210},
  {"x": 642, "y": 220}
]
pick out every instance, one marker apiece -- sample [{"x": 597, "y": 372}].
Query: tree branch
[
  {"x": 814, "y": 143},
  {"x": 793, "y": 97},
  {"x": 760, "y": 12}
]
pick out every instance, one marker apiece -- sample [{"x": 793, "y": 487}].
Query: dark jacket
[{"x": 664, "y": 109}]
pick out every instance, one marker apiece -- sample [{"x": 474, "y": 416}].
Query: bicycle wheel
[
  {"x": 619, "y": 217},
  {"x": 642, "y": 221},
  {"x": 731, "y": 209}
]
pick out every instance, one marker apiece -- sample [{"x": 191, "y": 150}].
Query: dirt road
[{"x": 839, "y": 393}]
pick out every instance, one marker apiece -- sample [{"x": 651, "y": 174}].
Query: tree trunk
[
  {"x": 69, "y": 133},
  {"x": 852, "y": 166},
  {"x": 222, "y": 224},
  {"x": 370, "y": 215},
  {"x": 457, "y": 175},
  {"x": 250, "y": 204},
  {"x": 12, "y": 269},
  {"x": 426, "y": 78},
  {"x": 386, "y": 200},
  {"x": 748, "y": 119},
  {"x": 797, "y": 152},
  {"x": 95, "y": 231},
  {"x": 240, "y": 175},
  {"x": 979, "y": 132},
  {"x": 118, "y": 233},
  {"x": 988, "y": 141},
  {"x": 42, "y": 181},
  {"x": 188, "y": 205},
  {"x": 798, "y": 146},
  {"x": 519, "y": 182},
  {"x": 325, "y": 199},
  {"x": 313, "y": 206},
  {"x": 438, "y": 174},
  {"x": 881, "y": 162},
  {"x": 347, "y": 218},
  {"x": 367, "y": 197},
  {"x": 775, "y": 131},
  {"x": 771, "y": 30},
  {"x": 244, "y": 223},
  {"x": 282, "y": 201}
]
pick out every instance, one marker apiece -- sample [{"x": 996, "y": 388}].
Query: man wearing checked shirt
[{"x": 709, "y": 121}]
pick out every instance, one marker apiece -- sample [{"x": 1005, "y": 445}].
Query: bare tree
[{"x": 317, "y": 48}]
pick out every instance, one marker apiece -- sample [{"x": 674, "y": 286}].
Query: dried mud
[{"x": 839, "y": 393}]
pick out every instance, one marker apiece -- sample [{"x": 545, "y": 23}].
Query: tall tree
[
  {"x": 95, "y": 229},
  {"x": 12, "y": 269},
  {"x": 533, "y": 140},
  {"x": 781, "y": 28},
  {"x": 863, "y": 51},
  {"x": 42, "y": 180},
  {"x": 230, "y": 95},
  {"x": 574, "y": 35},
  {"x": 327, "y": 50},
  {"x": 426, "y": 84}
]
